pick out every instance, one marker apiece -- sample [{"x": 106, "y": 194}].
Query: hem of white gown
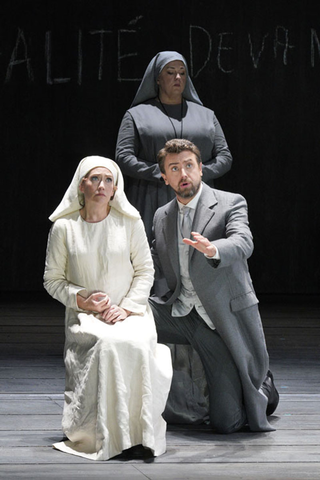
[{"x": 66, "y": 447}]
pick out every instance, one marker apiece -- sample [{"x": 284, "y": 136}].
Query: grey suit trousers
[{"x": 226, "y": 409}]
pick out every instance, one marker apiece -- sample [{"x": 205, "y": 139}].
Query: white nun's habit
[{"x": 117, "y": 376}]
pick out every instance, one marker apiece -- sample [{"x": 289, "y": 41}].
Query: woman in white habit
[{"x": 99, "y": 266}]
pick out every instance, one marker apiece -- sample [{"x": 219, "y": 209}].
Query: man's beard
[{"x": 188, "y": 192}]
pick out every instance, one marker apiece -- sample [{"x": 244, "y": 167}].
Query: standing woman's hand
[{"x": 96, "y": 302}]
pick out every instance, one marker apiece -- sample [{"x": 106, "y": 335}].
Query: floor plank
[
  {"x": 45, "y": 438},
  {"x": 269, "y": 471},
  {"x": 180, "y": 454}
]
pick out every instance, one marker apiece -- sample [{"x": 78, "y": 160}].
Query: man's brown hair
[{"x": 177, "y": 145}]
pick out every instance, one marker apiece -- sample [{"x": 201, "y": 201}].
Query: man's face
[{"x": 183, "y": 174}]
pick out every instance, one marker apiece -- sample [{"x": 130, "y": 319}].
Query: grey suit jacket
[{"x": 225, "y": 289}]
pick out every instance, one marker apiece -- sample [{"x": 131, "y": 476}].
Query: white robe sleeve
[
  {"x": 55, "y": 281},
  {"x": 136, "y": 300}
]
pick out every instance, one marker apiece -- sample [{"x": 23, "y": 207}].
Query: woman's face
[
  {"x": 172, "y": 81},
  {"x": 97, "y": 186}
]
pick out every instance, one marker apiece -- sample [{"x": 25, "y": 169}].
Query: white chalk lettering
[
  {"x": 209, "y": 48},
  {"x": 256, "y": 59},
  {"x": 266, "y": 48},
  {"x": 48, "y": 53},
  {"x": 286, "y": 45},
  {"x": 121, "y": 57},
  {"x": 101, "y": 33},
  {"x": 222, "y": 48},
  {"x": 14, "y": 58},
  {"x": 314, "y": 40},
  {"x": 135, "y": 20}
]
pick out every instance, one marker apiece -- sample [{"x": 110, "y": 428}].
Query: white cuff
[{"x": 216, "y": 256}]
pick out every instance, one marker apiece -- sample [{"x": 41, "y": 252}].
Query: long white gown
[{"x": 117, "y": 376}]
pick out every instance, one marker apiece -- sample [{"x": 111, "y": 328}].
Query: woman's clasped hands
[{"x": 100, "y": 303}]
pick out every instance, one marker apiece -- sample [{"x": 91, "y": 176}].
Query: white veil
[{"x": 71, "y": 199}]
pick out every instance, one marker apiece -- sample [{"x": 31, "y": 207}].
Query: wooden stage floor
[{"x": 31, "y": 401}]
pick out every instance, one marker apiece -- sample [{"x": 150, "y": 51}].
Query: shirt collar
[{"x": 193, "y": 203}]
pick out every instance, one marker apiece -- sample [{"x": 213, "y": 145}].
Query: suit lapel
[
  {"x": 169, "y": 230},
  {"x": 205, "y": 211}
]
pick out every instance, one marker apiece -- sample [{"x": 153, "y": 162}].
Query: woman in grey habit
[{"x": 166, "y": 106}]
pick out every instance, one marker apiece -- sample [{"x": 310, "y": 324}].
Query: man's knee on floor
[{"x": 226, "y": 423}]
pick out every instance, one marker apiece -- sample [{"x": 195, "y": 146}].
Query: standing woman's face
[
  {"x": 172, "y": 81},
  {"x": 97, "y": 186}
]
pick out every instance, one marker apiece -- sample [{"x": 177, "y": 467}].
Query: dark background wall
[{"x": 69, "y": 70}]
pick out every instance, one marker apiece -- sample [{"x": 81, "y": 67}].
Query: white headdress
[{"x": 70, "y": 202}]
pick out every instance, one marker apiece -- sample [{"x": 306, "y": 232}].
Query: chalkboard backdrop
[{"x": 69, "y": 70}]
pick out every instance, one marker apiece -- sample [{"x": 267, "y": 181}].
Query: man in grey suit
[{"x": 205, "y": 296}]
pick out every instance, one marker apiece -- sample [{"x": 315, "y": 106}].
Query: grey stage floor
[{"x": 31, "y": 400}]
